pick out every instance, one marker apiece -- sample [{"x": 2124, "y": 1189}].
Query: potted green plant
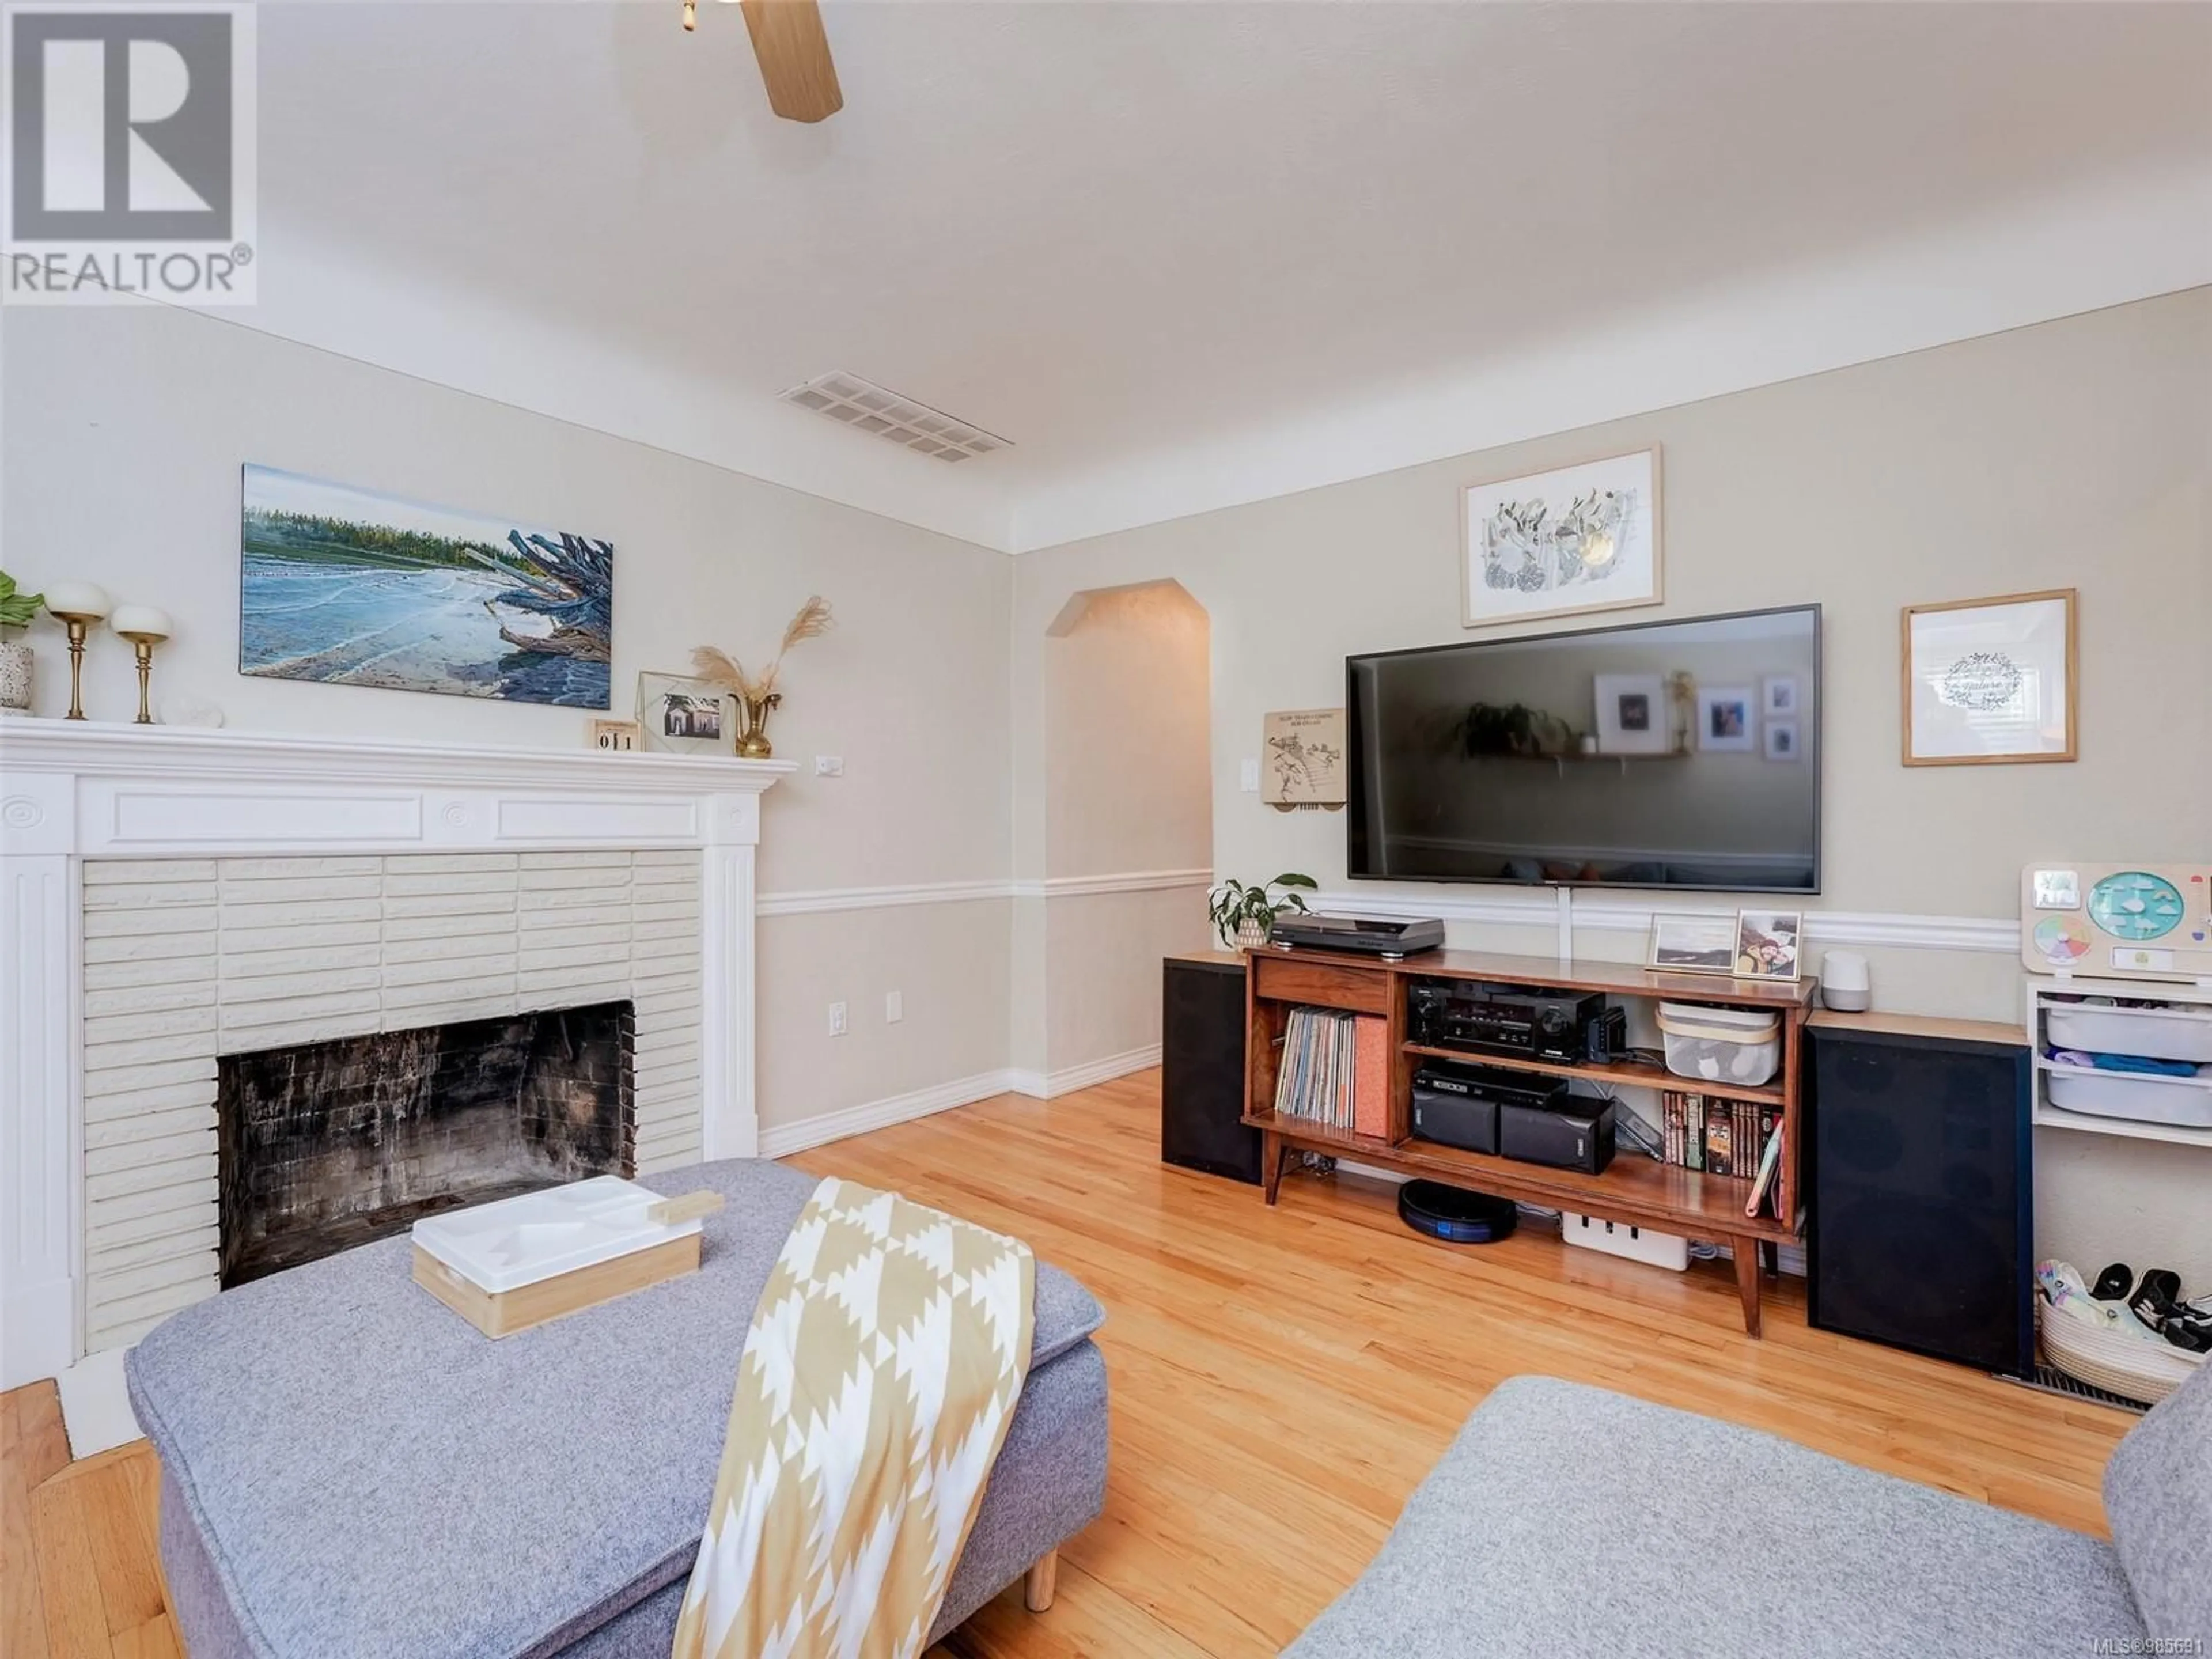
[
  {"x": 1241, "y": 914},
  {"x": 17, "y": 610}
]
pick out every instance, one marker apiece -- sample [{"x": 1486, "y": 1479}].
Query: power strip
[{"x": 1619, "y": 1238}]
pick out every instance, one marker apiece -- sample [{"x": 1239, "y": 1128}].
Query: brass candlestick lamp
[
  {"x": 145, "y": 628},
  {"x": 77, "y": 606}
]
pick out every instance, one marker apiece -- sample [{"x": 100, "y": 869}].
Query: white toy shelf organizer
[{"x": 2093, "y": 938}]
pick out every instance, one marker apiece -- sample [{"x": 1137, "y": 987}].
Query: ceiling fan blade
[{"x": 794, "y": 58}]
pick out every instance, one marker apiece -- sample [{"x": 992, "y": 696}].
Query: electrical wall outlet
[
  {"x": 894, "y": 1007},
  {"x": 836, "y": 1019},
  {"x": 1247, "y": 777},
  {"x": 829, "y": 766}
]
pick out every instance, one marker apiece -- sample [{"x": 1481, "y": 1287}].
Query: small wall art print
[
  {"x": 351, "y": 586},
  {"x": 1990, "y": 682},
  {"x": 1633, "y": 715},
  {"x": 1304, "y": 764},
  {"x": 1725, "y": 722},
  {"x": 1583, "y": 538}
]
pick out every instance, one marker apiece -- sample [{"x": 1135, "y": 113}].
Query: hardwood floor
[{"x": 1281, "y": 1380}]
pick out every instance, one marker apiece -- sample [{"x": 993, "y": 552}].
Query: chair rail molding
[
  {"x": 1619, "y": 911},
  {"x": 77, "y": 790}
]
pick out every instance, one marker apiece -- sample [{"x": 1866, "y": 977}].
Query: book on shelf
[
  {"x": 1720, "y": 1139},
  {"x": 1335, "y": 1072},
  {"x": 1766, "y": 1190}
]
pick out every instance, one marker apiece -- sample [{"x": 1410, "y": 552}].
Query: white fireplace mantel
[{"x": 72, "y": 791}]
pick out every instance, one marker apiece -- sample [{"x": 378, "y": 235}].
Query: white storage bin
[
  {"x": 2185, "y": 1100},
  {"x": 1721, "y": 1045},
  {"x": 2151, "y": 1033}
]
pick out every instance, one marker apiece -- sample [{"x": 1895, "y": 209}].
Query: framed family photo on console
[
  {"x": 1690, "y": 943},
  {"x": 1989, "y": 681}
]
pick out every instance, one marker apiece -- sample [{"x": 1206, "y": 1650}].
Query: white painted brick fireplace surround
[{"x": 167, "y": 896}]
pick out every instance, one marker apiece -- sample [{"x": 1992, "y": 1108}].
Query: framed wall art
[
  {"x": 1583, "y": 537},
  {"x": 677, "y": 715},
  {"x": 1989, "y": 681},
  {"x": 1726, "y": 724},
  {"x": 352, "y": 586},
  {"x": 1304, "y": 764},
  {"x": 1633, "y": 715}
]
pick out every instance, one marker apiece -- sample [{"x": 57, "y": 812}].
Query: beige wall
[
  {"x": 2074, "y": 453},
  {"x": 124, "y": 431},
  {"x": 2077, "y": 454},
  {"x": 1128, "y": 726}
]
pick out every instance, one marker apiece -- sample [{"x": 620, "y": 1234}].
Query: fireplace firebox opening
[{"x": 327, "y": 1146}]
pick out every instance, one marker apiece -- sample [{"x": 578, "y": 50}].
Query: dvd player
[{"x": 1391, "y": 938}]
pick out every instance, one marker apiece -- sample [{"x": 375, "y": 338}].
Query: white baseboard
[
  {"x": 96, "y": 1412},
  {"x": 1050, "y": 1085},
  {"x": 780, "y": 1139}
]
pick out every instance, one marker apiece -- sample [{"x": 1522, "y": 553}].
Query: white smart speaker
[{"x": 1844, "y": 983}]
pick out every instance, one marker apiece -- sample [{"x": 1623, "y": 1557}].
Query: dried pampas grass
[{"x": 718, "y": 667}]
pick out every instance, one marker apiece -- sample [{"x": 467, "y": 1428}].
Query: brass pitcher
[{"x": 752, "y": 726}]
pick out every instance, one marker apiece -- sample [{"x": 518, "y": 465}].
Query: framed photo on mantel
[{"x": 1989, "y": 682}]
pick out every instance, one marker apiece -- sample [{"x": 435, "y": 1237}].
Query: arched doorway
[{"x": 1128, "y": 821}]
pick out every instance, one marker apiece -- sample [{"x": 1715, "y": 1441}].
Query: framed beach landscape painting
[{"x": 353, "y": 587}]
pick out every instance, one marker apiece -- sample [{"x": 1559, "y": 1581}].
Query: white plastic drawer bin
[
  {"x": 2183, "y": 1101},
  {"x": 2150, "y": 1033},
  {"x": 1721, "y": 1045}
]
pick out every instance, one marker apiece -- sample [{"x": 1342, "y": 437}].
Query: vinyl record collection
[
  {"x": 1335, "y": 1071},
  {"x": 1724, "y": 1138}
]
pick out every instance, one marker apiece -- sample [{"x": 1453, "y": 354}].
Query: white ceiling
[{"x": 1187, "y": 254}]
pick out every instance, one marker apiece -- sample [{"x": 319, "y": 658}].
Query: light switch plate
[
  {"x": 894, "y": 1007},
  {"x": 836, "y": 1019},
  {"x": 1247, "y": 777}
]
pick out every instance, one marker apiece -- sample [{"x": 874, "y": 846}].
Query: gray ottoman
[
  {"x": 349, "y": 1468},
  {"x": 1567, "y": 1519}
]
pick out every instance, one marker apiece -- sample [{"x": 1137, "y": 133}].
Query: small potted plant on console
[{"x": 1241, "y": 914}]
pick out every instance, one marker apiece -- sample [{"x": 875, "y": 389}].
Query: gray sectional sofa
[
  {"x": 1567, "y": 1519},
  {"x": 349, "y": 1469}
]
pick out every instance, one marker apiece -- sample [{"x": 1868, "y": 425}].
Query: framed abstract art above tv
[
  {"x": 1575, "y": 538},
  {"x": 352, "y": 586}
]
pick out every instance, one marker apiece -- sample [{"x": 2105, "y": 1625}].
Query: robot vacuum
[{"x": 1454, "y": 1214}]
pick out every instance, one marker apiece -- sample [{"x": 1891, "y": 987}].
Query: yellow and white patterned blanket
[{"x": 879, "y": 1376}]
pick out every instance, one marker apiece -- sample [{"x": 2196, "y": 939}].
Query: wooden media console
[{"x": 1634, "y": 1189}]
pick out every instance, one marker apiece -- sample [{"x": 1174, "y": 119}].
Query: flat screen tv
[{"x": 1667, "y": 753}]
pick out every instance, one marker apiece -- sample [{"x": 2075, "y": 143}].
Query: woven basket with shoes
[{"x": 2112, "y": 1359}]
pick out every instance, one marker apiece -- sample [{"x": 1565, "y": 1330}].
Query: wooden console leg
[
  {"x": 1746, "y": 1281},
  {"x": 1271, "y": 1163},
  {"x": 1039, "y": 1583},
  {"x": 1770, "y": 1257}
]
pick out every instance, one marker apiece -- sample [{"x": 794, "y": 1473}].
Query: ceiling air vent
[{"x": 866, "y": 407}]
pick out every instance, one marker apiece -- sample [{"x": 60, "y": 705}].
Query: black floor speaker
[
  {"x": 1918, "y": 1183},
  {"x": 1202, "y": 1068}
]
